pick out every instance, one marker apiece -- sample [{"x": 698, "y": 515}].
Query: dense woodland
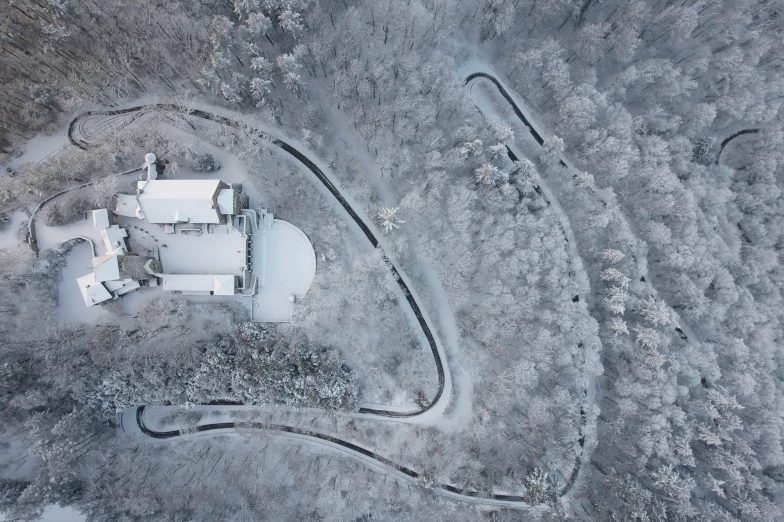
[{"x": 621, "y": 316}]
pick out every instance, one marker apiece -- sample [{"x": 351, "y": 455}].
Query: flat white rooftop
[
  {"x": 92, "y": 291},
  {"x": 285, "y": 263},
  {"x": 223, "y": 251},
  {"x": 179, "y": 200},
  {"x": 199, "y": 283}
]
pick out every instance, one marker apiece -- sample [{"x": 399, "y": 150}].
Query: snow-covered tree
[
  {"x": 610, "y": 255},
  {"x": 618, "y": 326},
  {"x": 657, "y": 312},
  {"x": 389, "y": 218},
  {"x": 552, "y": 149},
  {"x": 486, "y": 174}
]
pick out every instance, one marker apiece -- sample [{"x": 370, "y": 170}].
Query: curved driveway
[
  {"x": 77, "y": 122},
  {"x": 344, "y": 446},
  {"x": 308, "y": 435}
]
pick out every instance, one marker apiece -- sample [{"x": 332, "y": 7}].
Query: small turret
[{"x": 149, "y": 162}]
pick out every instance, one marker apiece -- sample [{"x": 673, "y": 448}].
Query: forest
[{"x": 572, "y": 304}]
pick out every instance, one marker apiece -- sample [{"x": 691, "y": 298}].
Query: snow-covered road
[
  {"x": 482, "y": 72},
  {"x": 133, "y": 423},
  {"x": 79, "y": 135},
  {"x": 86, "y": 125}
]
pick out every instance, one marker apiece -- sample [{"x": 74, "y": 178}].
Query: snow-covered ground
[
  {"x": 42, "y": 147},
  {"x": 8, "y": 231},
  {"x": 55, "y": 513}
]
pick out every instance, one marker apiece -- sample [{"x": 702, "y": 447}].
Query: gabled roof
[
  {"x": 223, "y": 285},
  {"x": 226, "y": 201},
  {"x": 100, "y": 218},
  {"x": 92, "y": 291},
  {"x": 127, "y": 206},
  {"x": 114, "y": 239},
  {"x": 179, "y": 201},
  {"x": 106, "y": 268}
]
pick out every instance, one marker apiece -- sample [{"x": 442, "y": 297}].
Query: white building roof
[
  {"x": 127, "y": 206},
  {"x": 222, "y": 284},
  {"x": 226, "y": 201},
  {"x": 92, "y": 291},
  {"x": 122, "y": 287},
  {"x": 179, "y": 201},
  {"x": 106, "y": 268},
  {"x": 114, "y": 239},
  {"x": 100, "y": 218}
]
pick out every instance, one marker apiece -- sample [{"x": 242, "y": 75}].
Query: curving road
[
  {"x": 566, "y": 229},
  {"x": 77, "y": 127},
  {"x": 77, "y": 123},
  {"x": 344, "y": 446},
  {"x": 320, "y": 438},
  {"x": 731, "y": 137}
]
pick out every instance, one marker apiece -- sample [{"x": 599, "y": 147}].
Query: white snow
[
  {"x": 114, "y": 239},
  {"x": 199, "y": 284},
  {"x": 42, "y": 147},
  {"x": 8, "y": 231},
  {"x": 55, "y": 513},
  {"x": 106, "y": 268},
  {"x": 283, "y": 259},
  {"x": 101, "y": 218},
  {"x": 93, "y": 292},
  {"x": 213, "y": 249},
  {"x": 71, "y": 305}
]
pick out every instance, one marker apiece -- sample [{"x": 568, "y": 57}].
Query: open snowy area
[{"x": 384, "y": 260}]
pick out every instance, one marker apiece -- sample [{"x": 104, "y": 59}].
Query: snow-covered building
[
  {"x": 92, "y": 291},
  {"x": 202, "y": 240},
  {"x": 171, "y": 201},
  {"x": 117, "y": 272},
  {"x": 201, "y": 284}
]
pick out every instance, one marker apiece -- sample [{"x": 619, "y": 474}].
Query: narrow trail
[{"x": 78, "y": 123}]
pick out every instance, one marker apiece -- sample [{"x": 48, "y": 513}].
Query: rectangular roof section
[
  {"x": 179, "y": 201},
  {"x": 100, "y": 218},
  {"x": 92, "y": 291},
  {"x": 220, "y": 284},
  {"x": 126, "y": 205}
]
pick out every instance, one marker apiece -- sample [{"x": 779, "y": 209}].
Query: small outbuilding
[
  {"x": 92, "y": 291},
  {"x": 101, "y": 219}
]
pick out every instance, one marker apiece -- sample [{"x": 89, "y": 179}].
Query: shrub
[
  {"x": 204, "y": 163},
  {"x": 69, "y": 209}
]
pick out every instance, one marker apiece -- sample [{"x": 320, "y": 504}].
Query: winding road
[
  {"x": 77, "y": 128},
  {"x": 569, "y": 237},
  {"x": 343, "y": 446},
  {"x": 731, "y": 137},
  {"x": 77, "y": 123}
]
